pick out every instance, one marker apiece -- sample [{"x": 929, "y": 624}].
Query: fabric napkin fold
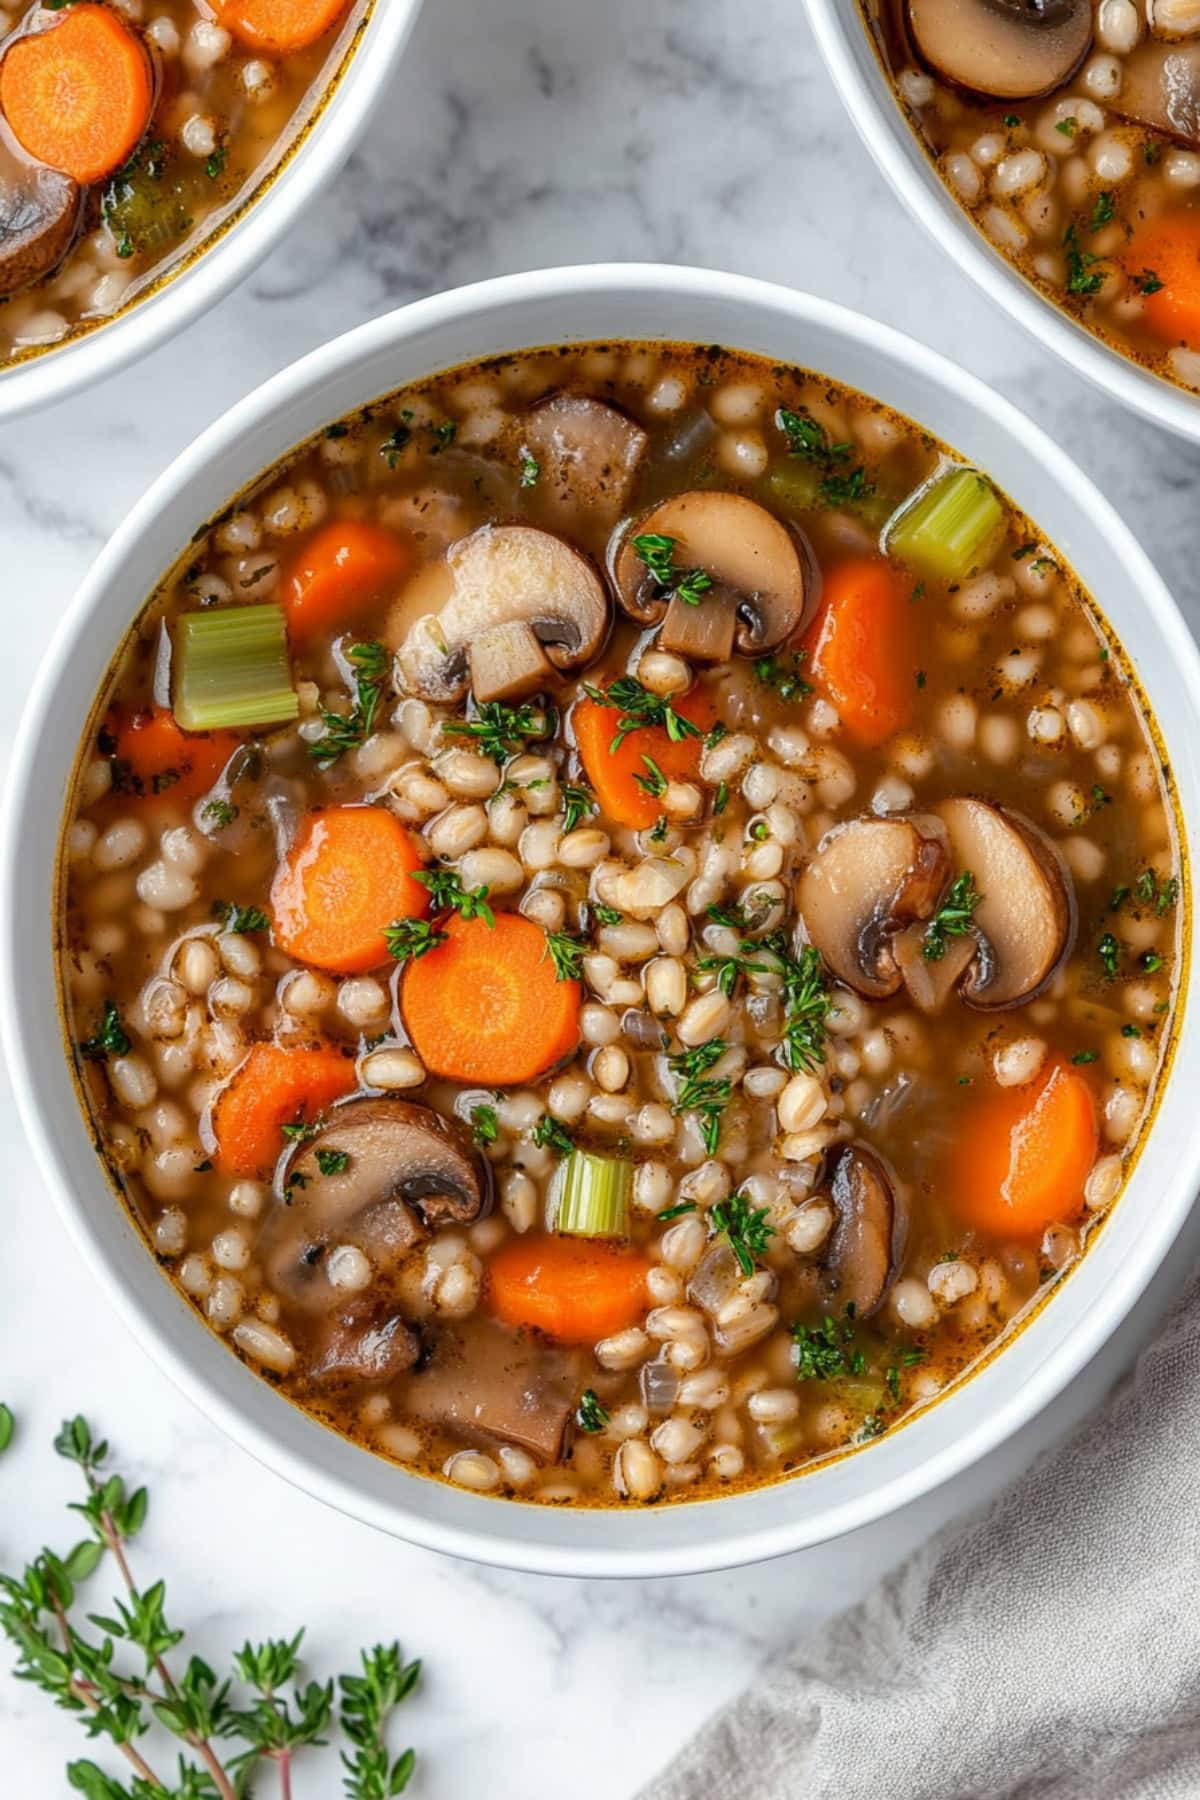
[{"x": 1048, "y": 1646}]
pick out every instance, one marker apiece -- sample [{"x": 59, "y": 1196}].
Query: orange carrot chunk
[
  {"x": 486, "y": 1006},
  {"x": 154, "y": 756},
  {"x": 862, "y": 648},
  {"x": 1024, "y": 1155},
  {"x": 338, "y": 575},
  {"x": 1168, "y": 252},
  {"x": 575, "y": 1290},
  {"x": 348, "y": 876},
  {"x": 78, "y": 95},
  {"x": 271, "y": 1089},
  {"x": 614, "y": 774},
  {"x": 280, "y": 26}
]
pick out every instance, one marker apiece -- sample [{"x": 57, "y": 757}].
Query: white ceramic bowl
[
  {"x": 515, "y": 312},
  {"x": 197, "y": 286},
  {"x": 850, "y": 57}
]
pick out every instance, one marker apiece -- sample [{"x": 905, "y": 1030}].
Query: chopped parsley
[
  {"x": 551, "y": 1134},
  {"x": 1083, "y": 1057},
  {"x": 1109, "y": 952},
  {"x": 333, "y": 1162},
  {"x": 656, "y": 553},
  {"x": 787, "y": 683},
  {"x": 823, "y": 1352},
  {"x": 1147, "y": 282},
  {"x": 605, "y": 915},
  {"x": 299, "y": 1131},
  {"x": 111, "y": 1039},
  {"x": 218, "y": 813},
  {"x": 952, "y": 918},
  {"x": 501, "y": 731},
  {"x": 1068, "y": 127},
  {"x": 589, "y": 1414},
  {"x": 531, "y": 469},
  {"x": 484, "y": 1124},
  {"x": 214, "y": 168},
  {"x": 1152, "y": 962},
  {"x": 346, "y": 731},
  {"x": 1131, "y": 1031},
  {"x": 746, "y": 1229},
  {"x": 1103, "y": 212},
  {"x": 1079, "y": 262}
]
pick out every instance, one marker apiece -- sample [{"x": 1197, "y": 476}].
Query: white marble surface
[{"x": 520, "y": 133}]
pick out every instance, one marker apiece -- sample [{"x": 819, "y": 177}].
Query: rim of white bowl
[
  {"x": 958, "y": 1429},
  {"x": 60, "y": 371},
  {"x": 850, "y": 56}
]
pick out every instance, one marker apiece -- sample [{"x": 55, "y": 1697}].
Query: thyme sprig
[{"x": 346, "y": 731}]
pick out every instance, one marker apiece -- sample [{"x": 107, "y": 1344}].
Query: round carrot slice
[
  {"x": 271, "y": 1089},
  {"x": 78, "y": 95},
  {"x": 348, "y": 876},
  {"x": 616, "y": 775},
  {"x": 154, "y": 756},
  {"x": 572, "y": 1289},
  {"x": 1163, "y": 260},
  {"x": 1025, "y": 1153},
  {"x": 281, "y": 26},
  {"x": 486, "y": 1006},
  {"x": 338, "y": 574}
]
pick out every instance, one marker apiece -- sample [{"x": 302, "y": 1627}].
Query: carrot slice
[
  {"x": 338, "y": 574},
  {"x": 862, "y": 648},
  {"x": 78, "y": 95},
  {"x": 572, "y": 1289},
  {"x": 486, "y": 1006},
  {"x": 1168, "y": 251},
  {"x": 281, "y": 25},
  {"x": 154, "y": 756},
  {"x": 1025, "y": 1154},
  {"x": 271, "y": 1089},
  {"x": 613, "y": 773},
  {"x": 347, "y": 877}
]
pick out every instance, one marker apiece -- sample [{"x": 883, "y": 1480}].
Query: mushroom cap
[
  {"x": 1160, "y": 87},
  {"x": 523, "y": 604},
  {"x": 408, "y": 1170},
  {"x": 40, "y": 210},
  {"x": 864, "y": 882},
  {"x": 491, "y": 1387},
  {"x": 588, "y": 451},
  {"x": 760, "y": 568},
  {"x": 1008, "y": 49},
  {"x": 864, "y": 1248}
]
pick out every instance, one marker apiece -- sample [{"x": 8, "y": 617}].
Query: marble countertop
[{"x": 532, "y": 133}]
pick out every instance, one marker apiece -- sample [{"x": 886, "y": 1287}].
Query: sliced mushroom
[
  {"x": 484, "y": 1384},
  {"x": 863, "y": 1250},
  {"x": 364, "y": 1352},
  {"x": 407, "y": 1169},
  {"x": 1160, "y": 87},
  {"x": 39, "y": 216},
  {"x": 1008, "y": 49},
  {"x": 588, "y": 454},
  {"x": 524, "y": 606},
  {"x": 930, "y": 983},
  {"x": 761, "y": 573},
  {"x": 865, "y": 881},
  {"x": 1025, "y": 922}
]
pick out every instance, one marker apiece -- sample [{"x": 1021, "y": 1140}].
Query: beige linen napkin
[{"x": 1048, "y": 1647}]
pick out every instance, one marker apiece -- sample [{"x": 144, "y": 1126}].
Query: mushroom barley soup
[
  {"x": 1070, "y": 131},
  {"x": 620, "y": 922},
  {"x": 132, "y": 132}
]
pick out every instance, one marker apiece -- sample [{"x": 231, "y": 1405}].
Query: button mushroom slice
[
  {"x": 524, "y": 606},
  {"x": 862, "y": 1253},
  {"x": 1008, "y": 49},
  {"x": 1160, "y": 87},
  {"x": 358, "y": 1351},
  {"x": 40, "y": 210},
  {"x": 407, "y": 1171},
  {"x": 865, "y": 881},
  {"x": 486, "y": 1386},
  {"x": 1024, "y": 923},
  {"x": 762, "y": 574},
  {"x": 931, "y": 983},
  {"x": 588, "y": 453}
]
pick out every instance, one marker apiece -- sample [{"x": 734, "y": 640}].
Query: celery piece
[
  {"x": 591, "y": 1196},
  {"x": 945, "y": 529},
  {"x": 232, "y": 668}
]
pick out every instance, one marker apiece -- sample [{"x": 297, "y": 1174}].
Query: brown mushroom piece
[
  {"x": 762, "y": 574},
  {"x": 492, "y": 1388},
  {"x": 364, "y": 1349},
  {"x": 1024, "y": 923},
  {"x": 407, "y": 1170},
  {"x": 40, "y": 211},
  {"x": 1160, "y": 87},
  {"x": 1006, "y": 49},
  {"x": 865, "y": 881},
  {"x": 863, "y": 1250},
  {"x": 588, "y": 454},
  {"x": 524, "y": 607}
]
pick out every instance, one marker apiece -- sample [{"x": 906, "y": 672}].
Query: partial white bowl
[
  {"x": 197, "y": 287},
  {"x": 850, "y": 57},
  {"x": 513, "y": 313}
]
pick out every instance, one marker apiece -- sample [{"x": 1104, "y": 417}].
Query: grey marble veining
[{"x": 519, "y": 134}]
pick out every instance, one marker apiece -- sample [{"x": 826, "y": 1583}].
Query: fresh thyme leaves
[
  {"x": 746, "y": 1229},
  {"x": 1086, "y": 1056},
  {"x": 501, "y": 731},
  {"x": 552, "y": 1134},
  {"x": 637, "y": 706},
  {"x": 531, "y": 469},
  {"x": 299, "y": 1131},
  {"x": 238, "y": 920},
  {"x": 701, "y": 1093},
  {"x": 409, "y": 939},
  {"x": 484, "y": 1124},
  {"x": 730, "y": 969},
  {"x": 847, "y": 489},
  {"x": 774, "y": 672},
  {"x": 1147, "y": 282},
  {"x": 218, "y": 813},
  {"x": 1148, "y": 890},
  {"x": 578, "y": 803},
  {"x": 677, "y": 1212},
  {"x": 1109, "y": 952},
  {"x": 952, "y": 918},
  {"x": 441, "y": 437},
  {"x": 1104, "y": 211},
  {"x": 261, "y": 1708},
  {"x": 806, "y": 1002},
  {"x": 346, "y": 731},
  {"x": 808, "y": 441},
  {"x": 823, "y": 1352},
  {"x": 111, "y": 1039},
  {"x": 605, "y": 915},
  {"x": 566, "y": 952},
  {"x": 654, "y": 782},
  {"x": 656, "y": 553},
  {"x": 590, "y": 1415},
  {"x": 1079, "y": 262},
  {"x": 449, "y": 895},
  {"x": 333, "y": 1162}
]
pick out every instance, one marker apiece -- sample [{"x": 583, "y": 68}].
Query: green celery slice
[
  {"x": 591, "y": 1196},
  {"x": 943, "y": 532},
  {"x": 232, "y": 668}
]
